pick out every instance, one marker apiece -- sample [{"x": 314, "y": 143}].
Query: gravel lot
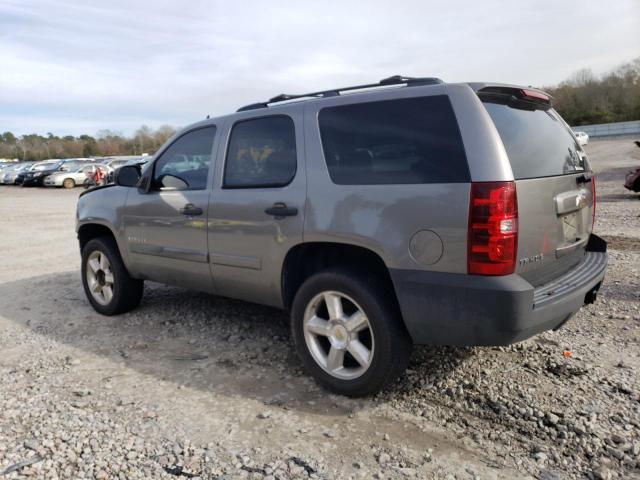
[{"x": 191, "y": 385}]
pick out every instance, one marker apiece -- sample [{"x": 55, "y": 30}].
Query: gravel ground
[{"x": 195, "y": 386}]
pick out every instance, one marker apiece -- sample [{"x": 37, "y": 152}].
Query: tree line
[
  {"x": 582, "y": 99},
  {"x": 585, "y": 98},
  {"x": 105, "y": 143}
]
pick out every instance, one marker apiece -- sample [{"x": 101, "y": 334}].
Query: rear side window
[
  {"x": 404, "y": 141},
  {"x": 262, "y": 153},
  {"x": 538, "y": 142}
]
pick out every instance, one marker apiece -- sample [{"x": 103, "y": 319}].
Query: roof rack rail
[{"x": 393, "y": 80}]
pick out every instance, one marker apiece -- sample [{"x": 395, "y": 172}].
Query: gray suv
[{"x": 409, "y": 211}]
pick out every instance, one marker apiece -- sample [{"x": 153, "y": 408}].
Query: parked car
[
  {"x": 414, "y": 213},
  {"x": 632, "y": 180},
  {"x": 70, "y": 179},
  {"x": 582, "y": 137},
  {"x": 115, "y": 162},
  {"x": 8, "y": 176},
  {"x": 37, "y": 173},
  {"x": 5, "y": 165},
  {"x": 6, "y": 169}
]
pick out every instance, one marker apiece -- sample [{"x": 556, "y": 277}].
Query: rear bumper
[{"x": 456, "y": 309}]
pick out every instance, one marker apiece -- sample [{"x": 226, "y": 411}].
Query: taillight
[
  {"x": 593, "y": 206},
  {"x": 493, "y": 228}
]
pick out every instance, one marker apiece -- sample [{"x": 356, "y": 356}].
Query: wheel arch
[
  {"x": 89, "y": 231},
  {"x": 305, "y": 259}
]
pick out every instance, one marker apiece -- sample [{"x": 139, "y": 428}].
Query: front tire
[
  {"x": 348, "y": 333},
  {"x": 105, "y": 279}
]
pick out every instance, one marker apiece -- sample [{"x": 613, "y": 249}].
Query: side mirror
[{"x": 127, "y": 176}]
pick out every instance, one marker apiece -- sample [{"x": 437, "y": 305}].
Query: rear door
[
  {"x": 257, "y": 208},
  {"x": 554, "y": 186}
]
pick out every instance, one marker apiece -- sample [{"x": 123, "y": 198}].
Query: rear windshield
[
  {"x": 404, "y": 141},
  {"x": 538, "y": 142}
]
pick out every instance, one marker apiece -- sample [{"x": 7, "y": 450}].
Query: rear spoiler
[{"x": 516, "y": 97}]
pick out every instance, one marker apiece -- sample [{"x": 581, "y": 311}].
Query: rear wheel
[
  {"x": 105, "y": 279},
  {"x": 348, "y": 333},
  {"x": 68, "y": 183}
]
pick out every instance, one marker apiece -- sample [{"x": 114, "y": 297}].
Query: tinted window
[
  {"x": 185, "y": 164},
  {"x": 413, "y": 140},
  {"x": 262, "y": 153},
  {"x": 538, "y": 142}
]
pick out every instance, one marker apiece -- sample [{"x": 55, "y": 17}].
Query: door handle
[
  {"x": 190, "y": 210},
  {"x": 280, "y": 209}
]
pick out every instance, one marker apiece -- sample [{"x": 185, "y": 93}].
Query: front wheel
[
  {"x": 348, "y": 333},
  {"x": 105, "y": 279}
]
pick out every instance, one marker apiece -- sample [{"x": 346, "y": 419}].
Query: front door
[
  {"x": 166, "y": 226},
  {"x": 257, "y": 206}
]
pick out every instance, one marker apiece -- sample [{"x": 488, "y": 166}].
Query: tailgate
[
  {"x": 555, "y": 220},
  {"x": 554, "y": 186}
]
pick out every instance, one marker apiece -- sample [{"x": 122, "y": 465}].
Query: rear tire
[
  {"x": 68, "y": 183},
  {"x": 357, "y": 346},
  {"x": 107, "y": 284}
]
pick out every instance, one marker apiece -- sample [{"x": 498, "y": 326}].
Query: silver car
[
  {"x": 9, "y": 175},
  {"x": 77, "y": 177},
  {"x": 405, "y": 212}
]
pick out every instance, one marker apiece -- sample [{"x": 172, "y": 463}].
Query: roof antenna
[{"x": 207, "y": 117}]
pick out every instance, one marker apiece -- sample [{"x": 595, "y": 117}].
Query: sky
[{"x": 80, "y": 67}]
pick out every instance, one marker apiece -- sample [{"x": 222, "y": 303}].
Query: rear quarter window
[{"x": 404, "y": 141}]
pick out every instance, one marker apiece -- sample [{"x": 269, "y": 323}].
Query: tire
[
  {"x": 68, "y": 183},
  {"x": 636, "y": 185},
  {"x": 385, "y": 337},
  {"x": 126, "y": 292}
]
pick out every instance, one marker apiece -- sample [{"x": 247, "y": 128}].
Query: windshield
[{"x": 44, "y": 166}]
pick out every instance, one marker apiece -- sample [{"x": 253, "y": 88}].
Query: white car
[
  {"x": 73, "y": 178},
  {"x": 582, "y": 137}
]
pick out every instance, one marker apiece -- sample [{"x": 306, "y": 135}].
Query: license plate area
[{"x": 570, "y": 227}]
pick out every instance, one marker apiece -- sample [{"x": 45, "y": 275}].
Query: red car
[{"x": 632, "y": 181}]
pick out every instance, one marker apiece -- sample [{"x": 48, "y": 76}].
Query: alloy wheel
[
  {"x": 338, "y": 335},
  {"x": 100, "y": 277}
]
